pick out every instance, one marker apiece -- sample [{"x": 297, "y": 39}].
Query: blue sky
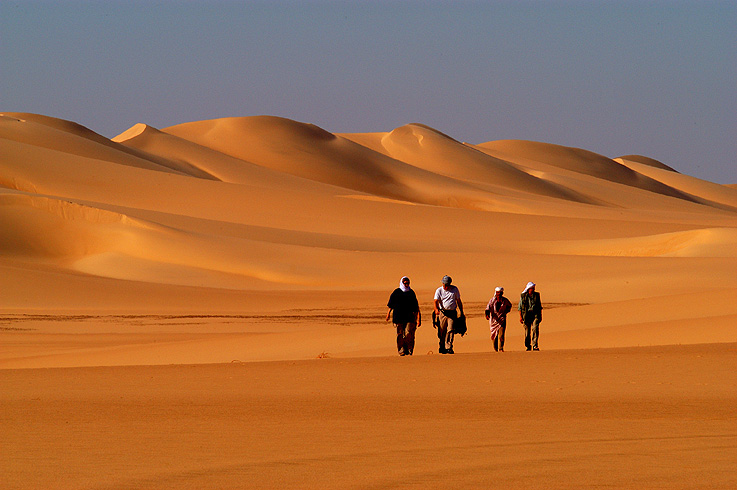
[{"x": 656, "y": 78}]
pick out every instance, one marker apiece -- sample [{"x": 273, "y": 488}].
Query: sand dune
[
  {"x": 71, "y": 139},
  {"x": 426, "y": 148},
  {"x": 541, "y": 156},
  {"x": 710, "y": 193},
  {"x": 578, "y": 160},
  {"x": 312, "y": 153}
]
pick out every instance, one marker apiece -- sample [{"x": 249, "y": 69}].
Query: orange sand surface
[
  {"x": 202, "y": 306},
  {"x": 650, "y": 417}
]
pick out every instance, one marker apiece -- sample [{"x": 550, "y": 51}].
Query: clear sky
[{"x": 656, "y": 78}]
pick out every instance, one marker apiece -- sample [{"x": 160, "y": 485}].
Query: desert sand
[{"x": 202, "y": 306}]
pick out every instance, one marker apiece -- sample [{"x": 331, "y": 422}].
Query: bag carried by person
[{"x": 459, "y": 325}]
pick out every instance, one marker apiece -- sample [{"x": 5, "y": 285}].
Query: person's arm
[
  {"x": 391, "y": 304},
  {"x": 521, "y": 315},
  {"x": 416, "y": 306},
  {"x": 437, "y": 306},
  {"x": 458, "y": 300}
]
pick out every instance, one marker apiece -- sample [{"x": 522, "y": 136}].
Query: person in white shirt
[{"x": 447, "y": 305}]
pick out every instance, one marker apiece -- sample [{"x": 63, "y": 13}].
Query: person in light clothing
[
  {"x": 496, "y": 313},
  {"x": 530, "y": 315},
  {"x": 447, "y": 305}
]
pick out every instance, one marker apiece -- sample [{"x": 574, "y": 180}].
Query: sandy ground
[
  {"x": 343, "y": 330},
  {"x": 202, "y": 306},
  {"x": 651, "y": 417}
]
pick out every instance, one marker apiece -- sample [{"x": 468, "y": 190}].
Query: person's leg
[
  {"x": 500, "y": 338},
  {"x": 409, "y": 338},
  {"x": 400, "y": 337},
  {"x": 535, "y": 332},
  {"x": 495, "y": 338},
  {"x": 442, "y": 332},
  {"x": 449, "y": 336},
  {"x": 528, "y": 344}
]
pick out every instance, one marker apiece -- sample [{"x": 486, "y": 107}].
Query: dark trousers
[{"x": 405, "y": 338}]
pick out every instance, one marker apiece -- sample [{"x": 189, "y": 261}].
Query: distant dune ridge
[{"x": 209, "y": 210}]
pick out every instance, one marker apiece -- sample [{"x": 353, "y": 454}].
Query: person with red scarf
[{"x": 496, "y": 313}]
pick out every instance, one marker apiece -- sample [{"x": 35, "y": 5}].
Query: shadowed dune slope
[
  {"x": 708, "y": 193},
  {"x": 73, "y": 139},
  {"x": 581, "y": 161},
  {"x": 219, "y": 165},
  {"x": 298, "y": 149},
  {"x": 436, "y": 152},
  {"x": 310, "y": 152}
]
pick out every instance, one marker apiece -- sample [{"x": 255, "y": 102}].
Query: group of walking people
[{"x": 448, "y": 315}]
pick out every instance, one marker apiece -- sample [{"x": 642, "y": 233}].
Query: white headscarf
[
  {"x": 529, "y": 285},
  {"x": 402, "y": 286}
]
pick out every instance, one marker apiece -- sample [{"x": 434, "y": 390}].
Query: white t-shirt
[{"x": 448, "y": 299}]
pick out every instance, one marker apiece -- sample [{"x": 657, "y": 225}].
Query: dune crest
[
  {"x": 431, "y": 150},
  {"x": 580, "y": 161},
  {"x": 647, "y": 161},
  {"x": 707, "y": 193},
  {"x": 132, "y": 132},
  {"x": 312, "y": 153}
]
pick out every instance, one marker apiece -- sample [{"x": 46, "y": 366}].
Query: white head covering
[
  {"x": 499, "y": 289},
  {"x": 402, "y": 286},
  {"x": 529, "y": 285}
]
